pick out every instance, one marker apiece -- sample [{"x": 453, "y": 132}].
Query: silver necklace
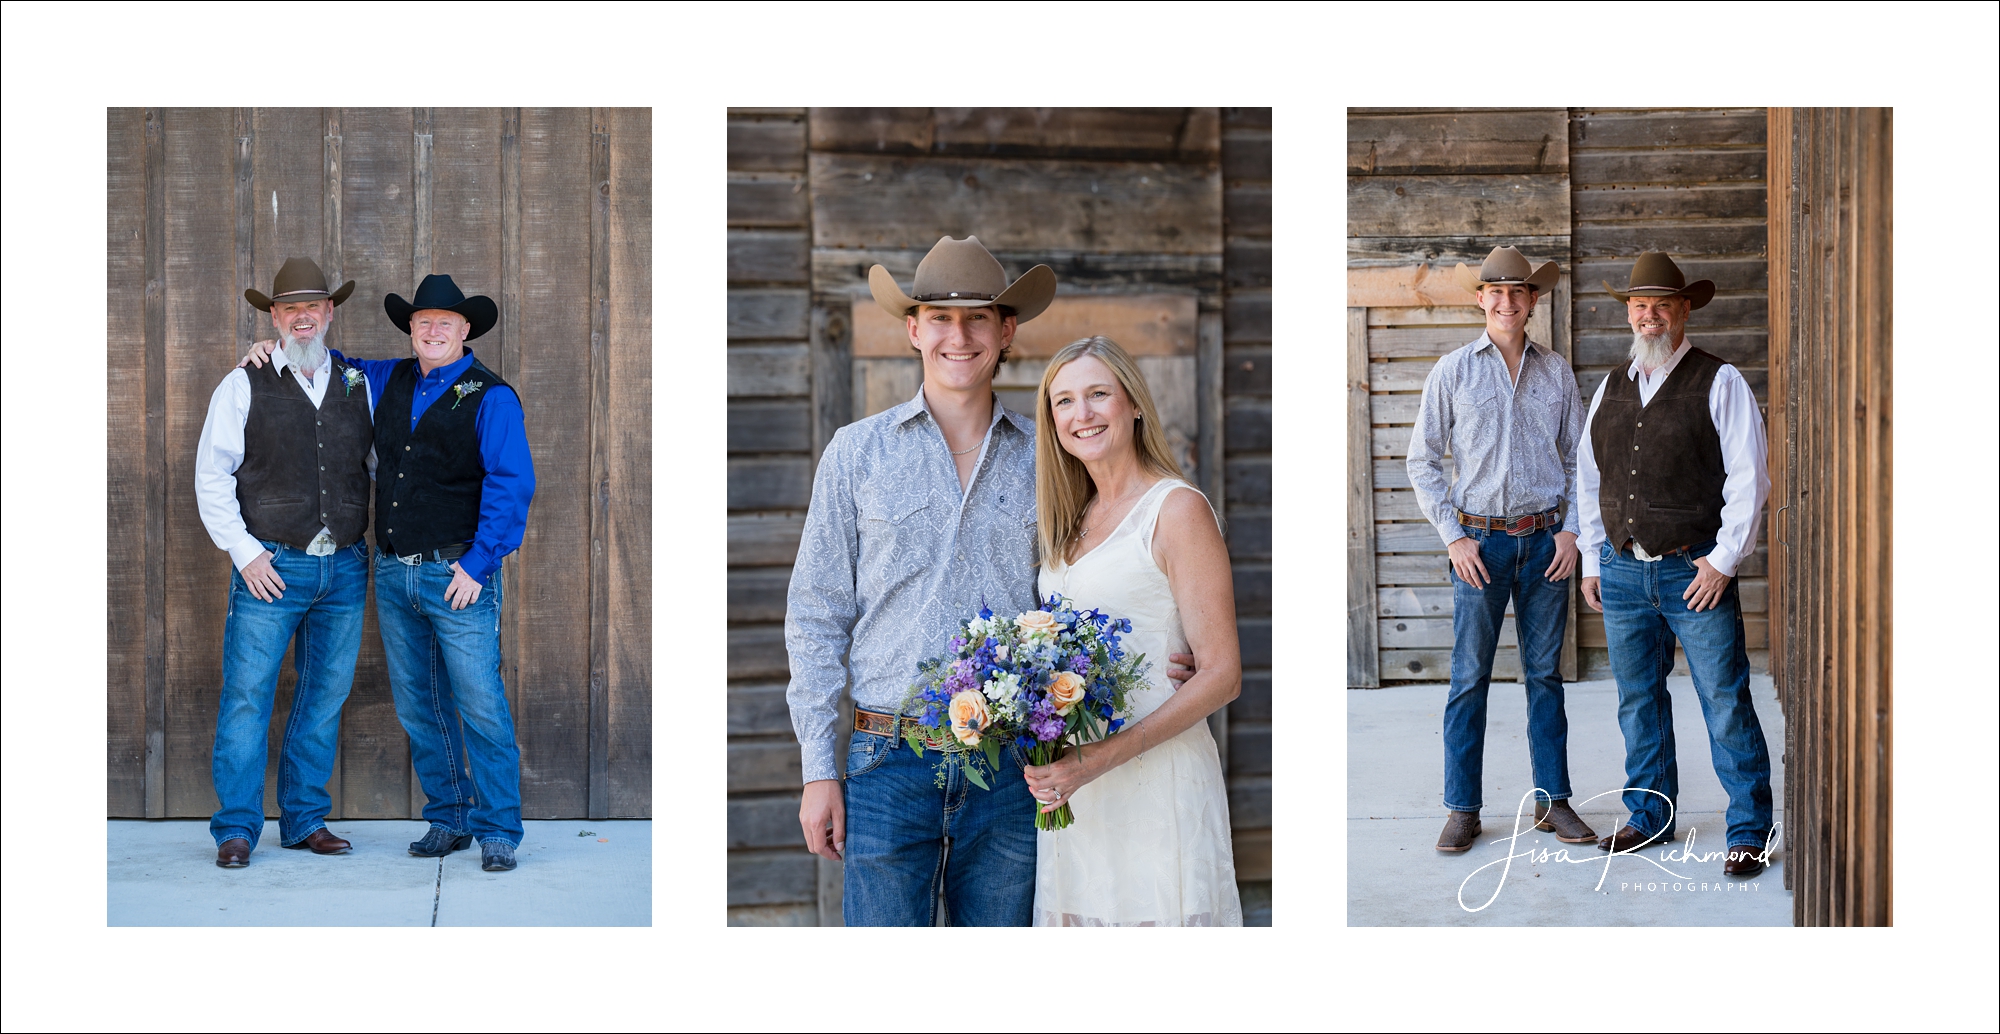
[{"x": 965, "y": 450}]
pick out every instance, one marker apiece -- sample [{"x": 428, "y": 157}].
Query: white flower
[
  {"x": 1002, "y": 688},
  {"x": 1000, "y": 651}
]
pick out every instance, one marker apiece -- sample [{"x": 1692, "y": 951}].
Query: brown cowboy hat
[
  {"x": 963, "y": 274},
  {"x": 1656, "y": 276},
  {"x": 1506, "y": 265},
  {"x": 298, "y": 280}
]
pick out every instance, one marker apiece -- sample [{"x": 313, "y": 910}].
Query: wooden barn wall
[
  {"x": 1831, "y": 573},
  {"x": 548, "y": 211},
  {"x": 1128, "y": 207},
  {"x": 1589, "y": 188}
]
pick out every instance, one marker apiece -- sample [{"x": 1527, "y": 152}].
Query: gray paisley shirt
[
  {"x": 1514, "y": 444},
  {"x": 894, "y": 556}
]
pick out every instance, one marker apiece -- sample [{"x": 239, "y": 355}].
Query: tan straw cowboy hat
[
  {"x": 1506, "y": 265},
  {"x": 1656, "y": 276},
  {"x": 298, "y": 280},
  {"x": 963, "y": 274}
]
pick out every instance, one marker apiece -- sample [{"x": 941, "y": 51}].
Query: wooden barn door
[{"x": 548, "y": 212}]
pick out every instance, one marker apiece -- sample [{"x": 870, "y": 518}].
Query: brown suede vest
[
  {"x": 1660, "y": 465},
  {"x": 305, "y": 468}
]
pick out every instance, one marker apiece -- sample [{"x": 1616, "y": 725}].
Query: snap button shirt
[{"x": 894, "y": 556}]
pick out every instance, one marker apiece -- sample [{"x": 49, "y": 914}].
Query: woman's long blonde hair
[{"x": 1062, "y": 486}]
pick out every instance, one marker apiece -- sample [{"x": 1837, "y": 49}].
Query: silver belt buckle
[{"x": 410, "y": 560}]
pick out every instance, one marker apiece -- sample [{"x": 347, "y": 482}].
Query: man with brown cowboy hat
[
  {"x": 920, "y": 515},
  {"x": 281, "y": 482},
  {"x": 1507, "y": 410},
  {"x": 1671, "y": 488},
  {"x": 451, "y": 501}
]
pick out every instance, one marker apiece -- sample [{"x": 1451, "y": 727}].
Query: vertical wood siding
[
  {"x": 204, "y": 202},
  {"x": 1128, "y": 206},
  {"x": 1830, "y": 555}
]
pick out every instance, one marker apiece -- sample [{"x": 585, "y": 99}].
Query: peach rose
[
  {"x": 1066, "y": 691},
  {"x": 1039, "y": 623},
  {"x": 968, "y": 716}
]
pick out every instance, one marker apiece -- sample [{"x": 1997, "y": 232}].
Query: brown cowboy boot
[
  {"x": 1559, "y": 818},
  {"x": 1459, "y": 830},
  {"x": 1743, "y": 860}
]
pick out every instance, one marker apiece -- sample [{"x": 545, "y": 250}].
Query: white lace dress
[{"x": 1150, "y": 844}]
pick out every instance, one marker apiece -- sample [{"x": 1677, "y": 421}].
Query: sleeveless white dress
[{"x": 1150, "y": 844}]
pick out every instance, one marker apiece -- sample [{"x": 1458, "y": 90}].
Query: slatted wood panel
[
  {"x": 544, "y": 210},
  {"x": 1128, "y": 206},
  {"x": 1830, "y": 281}
]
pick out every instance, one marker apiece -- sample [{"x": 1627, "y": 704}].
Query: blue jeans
[
  {"x": 319, "y": 613},
  {"x": 898, "y": 823},
  {"x": 444, "y": 672},
  {"x": 1541, "y": 611},
  {"x": 1643, "y": 615}
]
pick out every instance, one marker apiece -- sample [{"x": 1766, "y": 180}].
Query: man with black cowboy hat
[
  {"x": 1507, "y": 410},
  {"x": 920, "y": 515},
  {"x": 1671, "y": 488},
  {"x": 281, "y": 482},
  {"x": 451, "y": 501}
]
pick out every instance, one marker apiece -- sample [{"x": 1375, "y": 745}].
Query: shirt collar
[
  {"x": 919, "y": 406},
  {"x": 1632, "y": 368},
  {"x": 1484, "y": 342},
  {"x": 450, "y": 372}
]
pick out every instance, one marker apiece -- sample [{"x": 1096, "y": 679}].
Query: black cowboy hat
[{"x": 438, "y": 292}]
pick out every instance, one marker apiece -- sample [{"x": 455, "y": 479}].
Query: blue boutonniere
[
  {"x": 352, "y": 376},
  {"x": 464, "y": 388}
]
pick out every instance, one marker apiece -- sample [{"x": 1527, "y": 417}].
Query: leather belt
[
  {"x": 1627, "y": 550},
  {"x": 875, "y": 724},
  {"x": 1515, "y": 526},
  {"x": 444, "y": 555}
]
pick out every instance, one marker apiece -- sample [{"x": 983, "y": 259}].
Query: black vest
[
  {"x": 304, "y": 468},
  {"x": 1660, "y": 465},
  {"x": 427, "y": 481}
]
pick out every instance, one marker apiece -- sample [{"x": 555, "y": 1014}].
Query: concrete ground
[
  {"x": 163, "y": 873},
  {"x": 1395, "y": 810}
]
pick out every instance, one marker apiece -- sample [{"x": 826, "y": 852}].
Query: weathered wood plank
[
  {"x": 1494, "y": 205},
  {"x": 629, "y": 758},
  {"x": 1249, "y": 803},
  {"x": 1246, "y": 318},
  {"x": 1395, "y": 474},
  {"x": 1148, "y": 324},
  {"x": 1723, "y": 311},
  {"x": 759, "y": 710},
  {"x": 1413, "y": 602},
  {"x": 1408, "y": 633},
  {"x": 769, "y": 370},
  {"x": 1252, "y": 584},
  {"x": 1246, "y": 210},
  {"x": 1467, "y": 316},
  {"x": 1457, "y": 142},
  {"x": 764, "y": 822},
  {"x": 767, "y": 145},
  {"x": 1153, "y": 134},
  {"x": 1729, "y": 274},
  {"x": 800, "y": 914},
  {"x": 1666, "y": 128},
  {"x": 1435, "y": 665},
  {"x": 831, "y": 351},
  {"x": 1247, "y": 425},
  {"x": 878, "y": 384},
  {"x": 127, "y": 308},
  {"x": 1397, "y": 506},
  {"x": 764, "y": 538},
  {"x": 767, "y": 199},
  {"x": 769, "y": 313},
  {"x": 1248, "y": 480},
  {"x": 1249, "y": 533},
  {"x": 1249, "y": 749},
  {"x": 1407, "y": 538},
  {"x": 1627, "y": 240},
  {"x": 1254, "y": 703},
  {"x": 1246, "y": 262},
  {"x": 845, "y": 270},
  {"x": 771, "y": 877},
  {"x": 1399, "y": 376},
  {"x": 764, "y": 766},
  {"x": 1687, "y": 165},
  {"x": 1394, "y": 409},
  {"x": 1445, "y": 252},
  {"x": 599, "y": 499},
  {"x": 770, "y": 482},
  {"x": 758, "y": 652},
  {"x": 1362, "y": 645},
  {"x": 769, "y": 256},
  {"x": 758, "y": 593},
  {"x": 1253, "y": 636},
  {"x": 770, "y": 426},
  {"x": 1246, "y": 154},
  {"x": 869, "y": 201},
  {"x": 1413, "y": 569},
  {"x": 1676, "y": 202}
]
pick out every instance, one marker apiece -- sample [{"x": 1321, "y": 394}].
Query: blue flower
[{"x": 1116, "y": 724}]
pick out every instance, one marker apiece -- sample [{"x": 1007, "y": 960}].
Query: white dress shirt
[
  {"x": 220, "y": 453},
  {"x": 1747, "y": 480}
]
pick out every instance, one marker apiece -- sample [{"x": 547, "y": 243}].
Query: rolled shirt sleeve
[
  {"x": 1429, "y": 441},
  {"x": 821, "y": 607}
]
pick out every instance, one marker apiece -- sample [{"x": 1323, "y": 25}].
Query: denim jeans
[
  {"x": 444, "y": 672},
  {"x": 899, "y": 822},
  {"x": 1643, "y": 615},
  {"x": 1541, "y": 611},
  {"x": 319, "y": 613}
]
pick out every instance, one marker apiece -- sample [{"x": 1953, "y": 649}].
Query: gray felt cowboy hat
[
  {"x": 963, "y": 274},
  {"x": 298, "y": 280},
  {"x": 1506, "y": 265},
  {"x": 1656, "y": 276}
]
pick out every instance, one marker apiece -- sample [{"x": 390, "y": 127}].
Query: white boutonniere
[
  {"x": 464, "y": 388},
  {"x": 352, "y": 376}
]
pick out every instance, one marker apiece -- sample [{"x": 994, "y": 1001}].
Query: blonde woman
[{"x": 1121, "y": 532}]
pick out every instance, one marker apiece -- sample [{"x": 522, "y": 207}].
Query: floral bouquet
[{"x": 1046, "y": 679}]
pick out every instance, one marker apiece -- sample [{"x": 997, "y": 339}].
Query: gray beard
[
  {"x": 305, "y": 353},
  {"x": 1652, "y": 352}
]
